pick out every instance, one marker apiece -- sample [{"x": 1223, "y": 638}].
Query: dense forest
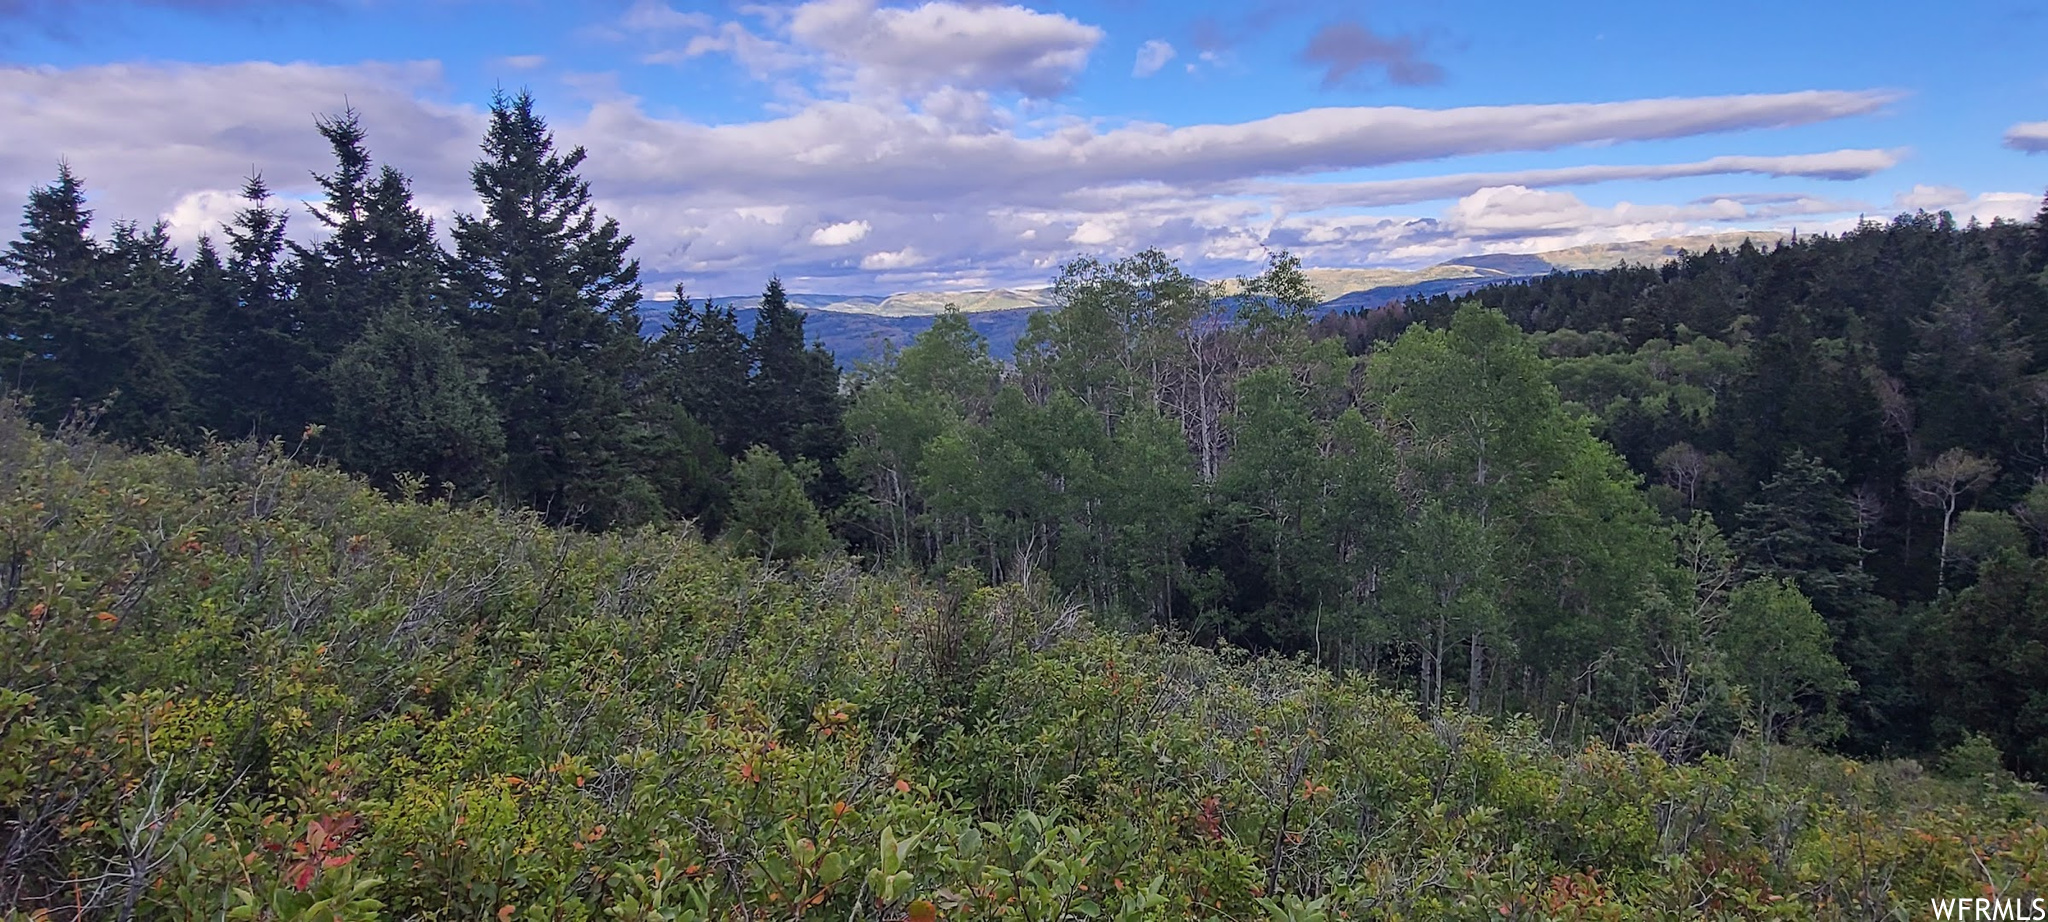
[
  {"x": 375, "y": 575},
  {"x": 1865, "y": 416}
]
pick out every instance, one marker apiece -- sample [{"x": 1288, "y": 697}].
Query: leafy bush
[{"x": 236, "y": 686}]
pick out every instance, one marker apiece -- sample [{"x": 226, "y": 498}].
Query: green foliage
[
  {"x": 771, "y": 516},
  {"x": 239, "y": 687},
  {"x": 550, "y": 298},
  {"x": 1778, "y": 649},
  {"x": 1975, "y": 757},
  {"x": 1988, "y": 655},
  {"x": 406, "y": 402},
  {"x": 1838, "y": 404}
]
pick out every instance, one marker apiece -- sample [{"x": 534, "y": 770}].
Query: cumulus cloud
[
  {"x": 1929, "y": 198},
  {"x": 1152, "y": 56},
  {"x": 1994, "y": 206},
  {"x": 1092, "y": 233},
  {"x": 893, "y": 259},
  {"x": 947, "y": 185},
  {"x": 147, "y": 137},
  {"x": 841, "y": 234},
  {"x": 946, "y": 43},
  {"x": 1349, "y": 50},
  {"x": 2031, "y": 137}
]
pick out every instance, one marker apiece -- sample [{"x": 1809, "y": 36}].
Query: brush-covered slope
[{"x": 236, "y": 686}]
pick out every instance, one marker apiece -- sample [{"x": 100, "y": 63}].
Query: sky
[{"x": 872, "y": 146}]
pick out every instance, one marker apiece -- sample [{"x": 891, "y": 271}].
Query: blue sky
[{"x": 871, "y": 146}]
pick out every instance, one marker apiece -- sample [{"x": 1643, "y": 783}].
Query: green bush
[{"x": 236, "y": 686}]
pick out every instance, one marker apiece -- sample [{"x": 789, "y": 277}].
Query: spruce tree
[
  {"x": 772, "y": 518},
  {"x": 380, "y": 250},
  {"x": 712, "y": 375},
  {"x": 262, "y": 371},
  {"x": 57, "y": 351},
  {"x": 210, "y": 312},
  {"x": 795, "y": 393},
  {"x": 144, "y": 313},
  {"x": 551, "y": 300},
  {"x": 680, "y": 453},
  {"x": 335, "y": 276},
  {"x": 406, "y": 402}
]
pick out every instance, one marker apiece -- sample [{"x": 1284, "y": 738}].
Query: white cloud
[
  {"x": 1929, "y": 198},
  {"x": 152, "y": 139},
  {"x": 2031, "y": 137},
  {"x": 1092, "y": 233},
  {"x": 894, "y": 259},
  {"x": 201, "y": 212},
  {"x": 523, "y": 61},
  {"x": 1985, "y": 207},
  {"x": 766, "y": 214},
  {"x": 948, "y": 184},
  {"x": 1990, "y": 206},
  {"x": 656, "y": 16},
  {"x": 841, "y": 234},
  {"x": 855, "y": 149},
  {"x": 945, "y": 43},
  {"x": 1309, "y": 196},
  {"x": 1152, "y": 56},
  {"x": 763, "y": 58}
]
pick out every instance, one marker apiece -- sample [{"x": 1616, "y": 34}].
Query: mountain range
[{"x": 854, "y": 327}]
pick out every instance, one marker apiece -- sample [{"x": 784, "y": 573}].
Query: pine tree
[
  {"x": 711, "y": 376},
  {"x": 262, "y": 371},
  {"x": 405, "y": 402},
  {"x": 795, "y": 393},
  {"x": 771, "y": 516},
  {"x": 551, "y": 314},
  {"x": 145, "y": 311},
  {"x": 57, "y": 350}
]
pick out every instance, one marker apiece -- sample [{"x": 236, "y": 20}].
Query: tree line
[
  {"x": 512, "y": 368},
  {"x": 1785, "y": 493},
  {"x": 1866, "y": 415}
]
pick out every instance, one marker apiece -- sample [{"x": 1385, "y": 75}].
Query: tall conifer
[{"x": 551, "y": 302}]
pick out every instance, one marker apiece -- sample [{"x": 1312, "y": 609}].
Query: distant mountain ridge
[{"x": 855, "y": 327}]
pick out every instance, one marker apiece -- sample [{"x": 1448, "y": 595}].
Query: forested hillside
[
  {"x": 1866, "y": 416},
  {"x": 361, "y": 569},
  {"x": 237, "y": 686}
]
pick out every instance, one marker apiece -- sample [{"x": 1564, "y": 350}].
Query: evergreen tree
[
  {"x": 711, "y": 373},
  {"x": 680, "y": 453},
  {"x": 335, "y": 276},
  {"x": 551, "y": 314},
  {"x": 1987, "y": 661},
  {"x": 262, "y": 373},
  {"x": 57, "y": 348},
  {"x": 406, "y": 402},
  {"x": 771, "y": 516},
  {"x": 210, "y": 312},
  {"x": 795, "y": 393},
  {"x": 1801, "y": 526},
  {"x": 144, "y": 316},
  {"x": 380, "y": 251}
]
